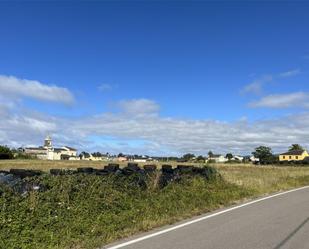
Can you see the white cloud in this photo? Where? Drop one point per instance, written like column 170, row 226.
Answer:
column 290, row 73
column 256, row 86
column 139, row 107
column 106, row 87
column 198, row 136
column 157, row 134
column 15, row 87
column 298, row 99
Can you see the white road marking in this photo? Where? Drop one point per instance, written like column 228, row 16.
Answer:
column 200, row 219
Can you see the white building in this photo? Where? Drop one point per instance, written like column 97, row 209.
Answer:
column 142, row 159
column 254, row 159
column 218, row 158
column 48, row 152
column 139, row 160
column 238, row 158
column 90, row 157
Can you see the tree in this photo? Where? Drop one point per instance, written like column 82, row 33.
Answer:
column 84, row 154
column 264, row 154
column 295, row 147
column 210, row 154
column 5, row 152
column 173, row 158
column 200, row 159
column 97, row 154
column 188, row 156
column 229, row 156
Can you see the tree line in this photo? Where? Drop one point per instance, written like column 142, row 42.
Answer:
column 263, row 153
column 266, row 156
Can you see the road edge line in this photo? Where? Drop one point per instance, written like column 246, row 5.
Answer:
column 205, row 217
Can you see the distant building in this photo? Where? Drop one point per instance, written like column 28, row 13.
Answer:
column 97, row 156
column 254, row 159
column 142, row 159
column 238, row 158
column 293, row 155
column 122, row 159
column 218, row 158
column 139, row 160
column 48, row 152
column 93, row 158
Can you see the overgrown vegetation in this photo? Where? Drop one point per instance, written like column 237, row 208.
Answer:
column 5, row 152
column 88, row 211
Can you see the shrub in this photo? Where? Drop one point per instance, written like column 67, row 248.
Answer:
column 5, row 153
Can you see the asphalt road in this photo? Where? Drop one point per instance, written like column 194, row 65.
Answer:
column 281, row 222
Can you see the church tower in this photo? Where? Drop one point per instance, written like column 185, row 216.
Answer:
column 48, row 142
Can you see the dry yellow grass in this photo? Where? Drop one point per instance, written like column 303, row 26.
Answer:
column 264, row 179
column 46, row 165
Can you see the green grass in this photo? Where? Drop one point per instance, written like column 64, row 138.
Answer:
column 88, row 211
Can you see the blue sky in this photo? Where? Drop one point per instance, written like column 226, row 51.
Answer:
column 116, row 76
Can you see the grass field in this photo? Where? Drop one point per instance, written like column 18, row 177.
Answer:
column 264, row 179
column 47, row 165
column 88, row 211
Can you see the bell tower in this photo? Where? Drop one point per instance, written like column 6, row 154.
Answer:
column 48, row 143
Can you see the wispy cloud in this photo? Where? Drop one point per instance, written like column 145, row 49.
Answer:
column 15, row 87
column 298, row 99
column 256, row 86
column 290, row 73
column 139, row 106
column 106, row 87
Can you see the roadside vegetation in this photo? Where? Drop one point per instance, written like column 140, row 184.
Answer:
column 88, row 211
column 5, row 153
column 264, row 179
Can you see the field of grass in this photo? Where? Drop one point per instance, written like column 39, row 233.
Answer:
column 264, row 179
column 88, row 211
column 47, row 165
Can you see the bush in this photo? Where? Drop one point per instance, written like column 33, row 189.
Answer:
column 24, row 156
column 5, row 153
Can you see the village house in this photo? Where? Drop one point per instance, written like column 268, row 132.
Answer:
column 48, row 152
column 293, row 155
column 237, row 158
column 91, row 157
column 142, row 159
column 122, row 159
column 218, row 158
